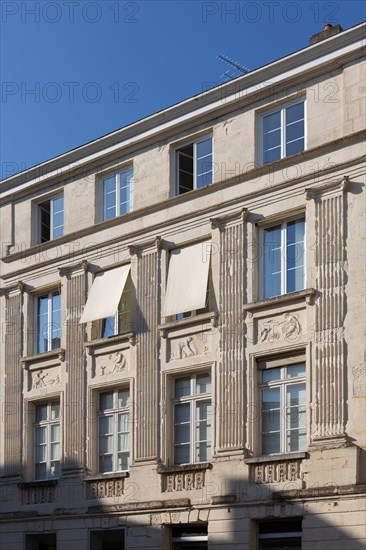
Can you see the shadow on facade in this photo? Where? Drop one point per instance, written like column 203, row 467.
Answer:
column 233, row 514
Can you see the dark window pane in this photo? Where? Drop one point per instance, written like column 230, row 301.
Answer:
column 272, row 155
column 295, row 147
column 295, row 112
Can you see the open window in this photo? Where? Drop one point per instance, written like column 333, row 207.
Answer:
column 50, row 219
column 194, row 165
column 188, row 290
column 109, row 302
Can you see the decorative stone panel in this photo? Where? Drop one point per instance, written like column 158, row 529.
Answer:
column 38, row 493
column 276, row 472
column 105, row 488
column 185, row 480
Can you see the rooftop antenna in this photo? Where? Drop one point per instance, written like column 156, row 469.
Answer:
column 236, row 68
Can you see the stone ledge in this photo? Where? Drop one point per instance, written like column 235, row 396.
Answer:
column 307, row 294
column 176, row 469
column 276, row 458
column 39, row 357
column 211, row 316
column 100, row 342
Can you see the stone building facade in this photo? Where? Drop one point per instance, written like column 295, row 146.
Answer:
column 183, row 316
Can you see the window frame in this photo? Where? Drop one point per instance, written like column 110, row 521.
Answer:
column 50, row 315
column 282, row 109
column 282, row 383
column 114, row 412
column 283, row 223
column 48, row 423
column 192, row 399
column 39, row 204
column 194, row 142
column 277, row 535
column 101, row 191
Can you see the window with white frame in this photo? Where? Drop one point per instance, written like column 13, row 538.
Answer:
column 48, row 335
column 194, row 165
column 50, row 219
column 192, row 414
column 189, row 537
column 121, row 321
column 47, row 441
column 114, row 430
column 280, row 534
column 283, row 132
column 283, row 258
column 283, row 407
column 116, row 191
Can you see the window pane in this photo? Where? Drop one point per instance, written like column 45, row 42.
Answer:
column 271, row 421
column 105, row 463
column 55, row 433
column 204, row 180
column 105, row 444
column 181, row 454
column 56, row 321
column 295, row 370
column 45, row 221
column 272, row 140
column 182, row 433
column 204, row 148
column 272, row 155
column 294, row 113
column 295, row 231
column 55, row 468
column 270, row 398
column 182, row 413
column 203, row 452
column 42, row 324
column 295, row 255
column 108, row 326
column 272, row 122
column 182, row 387
column 55, row 451
column 109, row 197
column 272, row 261
column 41, row 471
column 41, row 413
column 203, row 383
column 40, row 453
column 271, row 443
column 123, row 422
column 296, row 441
column 123, row 459
column 296, row 395
column 126, row 178
column 123, row 442
column 106, row 425
column 106, row 401
column 295, row 147
column 294, row 131
column 269, row 375
column 296, row 417
column 124, row 398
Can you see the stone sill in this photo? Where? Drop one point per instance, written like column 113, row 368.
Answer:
column 172, row 325
column 184, row 468
column 124, row 337
column 38, row 483
column 276, row 458
column 60, row 352
column 305, row 294
column 106, row 477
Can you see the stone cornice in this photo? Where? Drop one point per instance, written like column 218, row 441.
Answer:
column 338, row 186
column 14, row 288
column 82, row 266
column 221, row 222
column 156, row 243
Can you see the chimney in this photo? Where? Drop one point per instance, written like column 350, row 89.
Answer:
column 328, row 31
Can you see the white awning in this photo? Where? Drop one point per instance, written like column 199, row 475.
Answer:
column 187, row 279
column 105, row 294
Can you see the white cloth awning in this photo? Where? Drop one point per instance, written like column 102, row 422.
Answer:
column 187, row 279
column 105, row 294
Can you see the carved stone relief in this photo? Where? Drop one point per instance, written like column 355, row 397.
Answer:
column 286, row 327
column 45, row 377
column 112, row 363
column 189, row 346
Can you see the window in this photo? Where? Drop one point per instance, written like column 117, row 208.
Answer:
column 283, row 408
column 117, row 193
column 283, row 258
column 189, row 537
column 48, row 322
column 51, row 219
column 280, row 534
column 194, row 165
column 47, row 441
column 192, row 418
column 40, row 542
column 111, row 539
column 114, row 431
column 283, row 132
column 121, row 321
column 188, row 290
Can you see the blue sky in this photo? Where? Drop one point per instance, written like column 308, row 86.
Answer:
column 74, row 70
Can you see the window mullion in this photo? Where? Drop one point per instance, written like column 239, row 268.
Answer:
column 283, row 259
column 118, row 183
column 192, row 429
column 49, row 321
column 283, row 132
column 284, row 417
column 51, row 217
